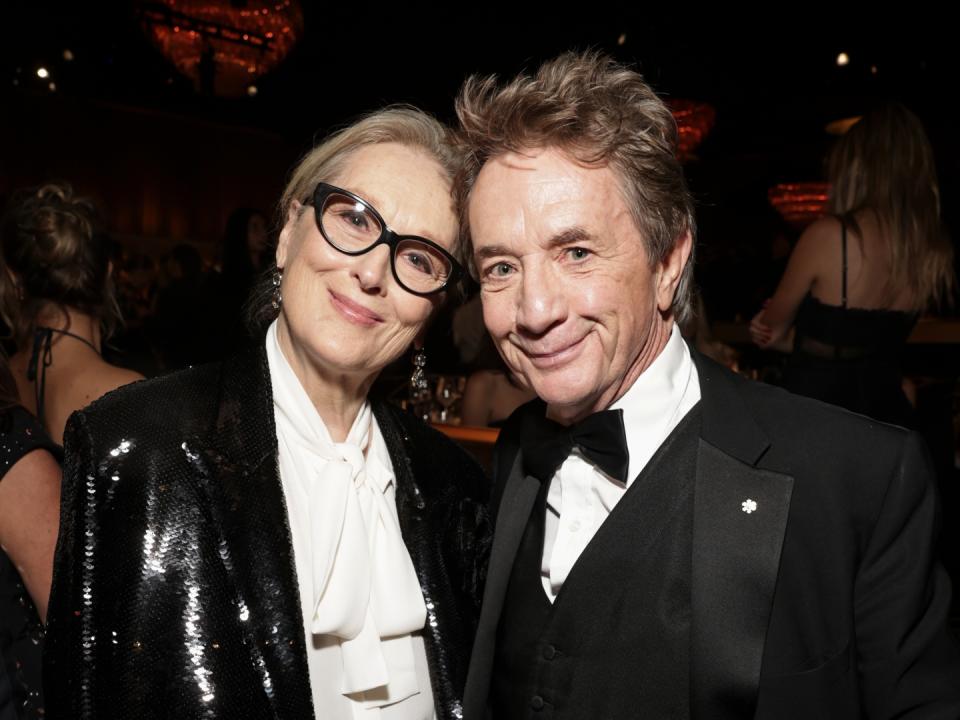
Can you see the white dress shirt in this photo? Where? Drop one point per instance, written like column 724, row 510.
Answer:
column 581, row 496
column 363, row 608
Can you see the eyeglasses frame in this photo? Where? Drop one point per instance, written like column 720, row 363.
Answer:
column 387, row 237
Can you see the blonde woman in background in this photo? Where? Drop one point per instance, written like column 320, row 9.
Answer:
column 859, row 278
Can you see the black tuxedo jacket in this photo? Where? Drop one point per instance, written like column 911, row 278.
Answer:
column 174, row 590
column 823, row 601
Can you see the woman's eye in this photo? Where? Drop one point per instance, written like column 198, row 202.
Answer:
column 357, row 220
column 419, row 261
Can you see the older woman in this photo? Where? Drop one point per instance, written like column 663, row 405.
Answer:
column 258, row 538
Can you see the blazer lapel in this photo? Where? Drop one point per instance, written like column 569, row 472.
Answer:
column 519, row 497
column 740, row 516
column 237, row 468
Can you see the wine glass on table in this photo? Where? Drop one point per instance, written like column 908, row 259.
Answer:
column 448, row 395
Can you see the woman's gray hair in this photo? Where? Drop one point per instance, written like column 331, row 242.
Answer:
column 401, row 124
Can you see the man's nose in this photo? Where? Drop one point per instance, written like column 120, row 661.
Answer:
column 542, row 301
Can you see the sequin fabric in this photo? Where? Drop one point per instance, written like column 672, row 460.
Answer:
column 175, row 594
column 21, row 632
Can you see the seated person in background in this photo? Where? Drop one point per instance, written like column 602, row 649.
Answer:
column 182, row 331
column 29, row 510
column 492, row 395
column 244, row 257
column 57, row 297
column 696, row 331
column 858, row 279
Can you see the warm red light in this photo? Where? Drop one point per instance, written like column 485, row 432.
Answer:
column 694, row 120
column 241, row 42
column 800, row 203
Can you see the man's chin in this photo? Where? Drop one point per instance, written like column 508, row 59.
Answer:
column 564, row 402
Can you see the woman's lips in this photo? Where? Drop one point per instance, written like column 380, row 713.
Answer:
column 354, row 312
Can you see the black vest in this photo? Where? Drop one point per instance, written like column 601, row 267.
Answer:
column 615, row 642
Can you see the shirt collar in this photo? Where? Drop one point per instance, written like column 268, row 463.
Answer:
column 657, row 401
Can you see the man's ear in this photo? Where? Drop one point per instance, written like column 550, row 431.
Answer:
column 671, row 270
column 283, row 242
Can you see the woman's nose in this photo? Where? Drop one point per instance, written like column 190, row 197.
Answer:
column 372, row 269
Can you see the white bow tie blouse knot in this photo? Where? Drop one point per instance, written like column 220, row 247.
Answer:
column 363, row 587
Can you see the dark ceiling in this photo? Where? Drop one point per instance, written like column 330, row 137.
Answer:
column 771, row 73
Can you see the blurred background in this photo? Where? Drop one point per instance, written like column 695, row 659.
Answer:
column 181, row 118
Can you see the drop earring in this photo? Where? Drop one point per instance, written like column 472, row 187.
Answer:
column 277, row 300
column 418, row 380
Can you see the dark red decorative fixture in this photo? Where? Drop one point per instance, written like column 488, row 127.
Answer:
column 223, row 45
column 694, row 121
column 800, row 203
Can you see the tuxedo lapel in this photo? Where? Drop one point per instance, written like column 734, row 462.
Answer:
column 740, row 516
column 236, row 465
column 516, row 504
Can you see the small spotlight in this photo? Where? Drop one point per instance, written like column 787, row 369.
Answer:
column 873, row 69
column 52, row 86
column 622, row 40
column 843, row 59
column 68, row 54
column 252, row 90
column 42, row 73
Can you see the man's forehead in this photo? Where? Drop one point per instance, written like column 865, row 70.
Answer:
column 542, row 174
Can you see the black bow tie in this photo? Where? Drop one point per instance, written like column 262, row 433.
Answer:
column 600, row 437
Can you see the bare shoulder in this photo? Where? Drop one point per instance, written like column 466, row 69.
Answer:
column 104, row 377
column 119, row 377
column 819, row 235
column 481, row 379
column 37, row 468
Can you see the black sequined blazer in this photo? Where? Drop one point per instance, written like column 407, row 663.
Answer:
column 174, row 592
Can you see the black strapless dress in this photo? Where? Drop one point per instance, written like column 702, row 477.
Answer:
column 21, row 632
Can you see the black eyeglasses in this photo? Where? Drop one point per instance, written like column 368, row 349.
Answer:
column 351, row 225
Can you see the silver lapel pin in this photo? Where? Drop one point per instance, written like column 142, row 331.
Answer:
column 748, row 506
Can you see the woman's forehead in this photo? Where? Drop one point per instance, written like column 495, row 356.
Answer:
column 407, row 187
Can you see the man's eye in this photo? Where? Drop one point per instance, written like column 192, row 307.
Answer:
column 498, row 270
column 578, row 253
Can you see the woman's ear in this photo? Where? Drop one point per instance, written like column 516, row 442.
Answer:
column 286, row 234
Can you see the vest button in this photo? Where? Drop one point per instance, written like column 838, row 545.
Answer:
column 537, row 702
column 549, row 652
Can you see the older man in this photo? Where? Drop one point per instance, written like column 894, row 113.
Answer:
column 671, row 540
